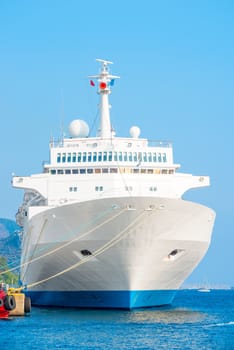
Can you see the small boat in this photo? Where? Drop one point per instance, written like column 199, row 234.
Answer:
column 204, row 290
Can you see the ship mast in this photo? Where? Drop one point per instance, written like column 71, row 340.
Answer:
column 105, row 81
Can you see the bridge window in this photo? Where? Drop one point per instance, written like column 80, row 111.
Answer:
column 110, row 156
column 69, row 157
column 89, row 157
column 94, row 156
column 99, row 156
column 104, row 156
column 159, row 157
column 115, row 156
column 154, row 157
column 79, row 157
column 150, row 157
column 144, row 157
column 84, row 157
column 120, row 156
column 64, row 158
column 135, row 156
column 73, row 157
column 58, row 157
column 130, row 156
column 125, row 156
column 164, row 157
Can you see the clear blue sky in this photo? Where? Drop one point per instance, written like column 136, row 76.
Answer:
column 176, row 62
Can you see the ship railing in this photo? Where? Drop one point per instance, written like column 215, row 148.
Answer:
column 163, row 144
column 117, row 141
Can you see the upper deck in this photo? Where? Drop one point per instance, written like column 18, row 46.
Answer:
column 119, row 152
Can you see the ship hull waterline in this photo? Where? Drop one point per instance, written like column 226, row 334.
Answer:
column 114, row 252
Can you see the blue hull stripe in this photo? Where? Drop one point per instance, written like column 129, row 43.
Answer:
column 102, row 299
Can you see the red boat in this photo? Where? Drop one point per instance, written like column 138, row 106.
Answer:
column 7, row 304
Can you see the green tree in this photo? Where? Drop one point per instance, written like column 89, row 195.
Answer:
column 7, row 277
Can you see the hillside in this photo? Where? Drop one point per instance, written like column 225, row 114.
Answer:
column 10, row 241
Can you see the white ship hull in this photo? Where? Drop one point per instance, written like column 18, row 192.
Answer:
column 136, row 251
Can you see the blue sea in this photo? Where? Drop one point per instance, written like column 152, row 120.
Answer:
column 195, row 320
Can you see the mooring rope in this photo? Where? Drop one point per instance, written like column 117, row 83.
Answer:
column 99, row 251
column 64, row 245
column 82, row 226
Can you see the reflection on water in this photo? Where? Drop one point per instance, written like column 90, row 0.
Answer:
column 146, row 316
column 166, row 316
column 164, row 328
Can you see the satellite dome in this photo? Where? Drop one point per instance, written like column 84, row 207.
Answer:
column 78, row 128
column 135, row 132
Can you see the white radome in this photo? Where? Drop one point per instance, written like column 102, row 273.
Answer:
column 78, row 128
column 135, row 131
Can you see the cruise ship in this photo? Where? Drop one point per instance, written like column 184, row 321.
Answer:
column 105, row 224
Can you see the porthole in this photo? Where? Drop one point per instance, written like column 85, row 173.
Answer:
column 174, row 254
column 85, row 252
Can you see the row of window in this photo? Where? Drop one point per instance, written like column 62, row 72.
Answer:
column 111, row 156
column 100, row 188
column 110, row 170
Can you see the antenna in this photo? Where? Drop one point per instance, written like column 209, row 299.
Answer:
column 62, row 115
column 105, row 63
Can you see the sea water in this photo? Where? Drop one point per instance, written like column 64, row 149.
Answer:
column 195, row 320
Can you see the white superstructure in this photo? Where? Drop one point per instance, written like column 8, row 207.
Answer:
column 104, row 224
